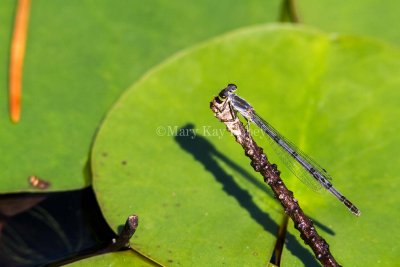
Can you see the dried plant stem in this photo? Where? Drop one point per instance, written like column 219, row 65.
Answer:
column 119, row 243
column 271, row 176
column 127, row 232
column 290, row 11
column 17, row 58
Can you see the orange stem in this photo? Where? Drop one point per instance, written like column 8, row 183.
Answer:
column 17, row 58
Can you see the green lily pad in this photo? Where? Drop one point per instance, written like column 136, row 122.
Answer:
column 162, row 155
column 80, row 56
column 370, row 17
column 122, row 258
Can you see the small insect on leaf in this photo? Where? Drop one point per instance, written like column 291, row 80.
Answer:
column 36, row 182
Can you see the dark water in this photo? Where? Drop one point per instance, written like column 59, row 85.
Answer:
column 47, row 229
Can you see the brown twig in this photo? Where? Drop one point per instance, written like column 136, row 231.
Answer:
column 271, row 176
column 289, row 11
column 121, row 242
column 17, row 58
column 280, row 242
column 127, row 232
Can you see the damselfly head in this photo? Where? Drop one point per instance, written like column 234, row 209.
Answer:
column 231, row 87
column 227, row 90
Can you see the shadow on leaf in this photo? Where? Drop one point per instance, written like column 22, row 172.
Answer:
column 204, row 152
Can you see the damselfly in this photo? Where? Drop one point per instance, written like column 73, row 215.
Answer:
column 307, row 166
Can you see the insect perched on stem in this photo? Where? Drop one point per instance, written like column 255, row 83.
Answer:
column 297, row 161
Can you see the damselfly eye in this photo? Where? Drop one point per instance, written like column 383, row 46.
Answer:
column 232, row 87
column 227, row 90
